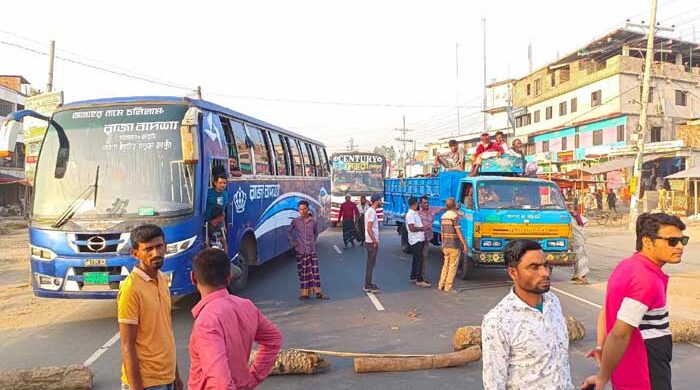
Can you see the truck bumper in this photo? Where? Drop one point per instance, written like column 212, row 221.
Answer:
column 495, row 259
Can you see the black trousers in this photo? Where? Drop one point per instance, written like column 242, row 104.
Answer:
column 417, row 265
column 371, row 262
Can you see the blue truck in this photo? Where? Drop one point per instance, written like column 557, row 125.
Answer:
column 495, row 208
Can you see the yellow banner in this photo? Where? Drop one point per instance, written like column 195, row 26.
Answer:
column 521, row 230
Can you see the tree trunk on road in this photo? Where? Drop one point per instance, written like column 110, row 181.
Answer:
column 72, row 377
column 393, row 364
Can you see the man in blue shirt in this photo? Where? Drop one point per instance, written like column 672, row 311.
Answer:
column 217, row 195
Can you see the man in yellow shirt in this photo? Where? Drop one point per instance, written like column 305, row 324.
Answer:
column 145, row 324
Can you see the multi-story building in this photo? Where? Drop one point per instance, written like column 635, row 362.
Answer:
column 13, row 93
column 584, row 108
column 499, row 98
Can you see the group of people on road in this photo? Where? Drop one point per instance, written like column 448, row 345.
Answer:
column 525, row 340
column 223, row 332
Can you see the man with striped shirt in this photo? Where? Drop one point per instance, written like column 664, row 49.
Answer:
column 635, row 346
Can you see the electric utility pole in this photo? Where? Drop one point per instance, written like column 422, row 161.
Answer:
column 483, row 20
column 403, row 141
column 641, row 128
column 52, row 52
column 351, row 144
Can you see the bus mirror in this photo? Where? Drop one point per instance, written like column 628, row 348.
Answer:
column 63, row 144
column 188, row 137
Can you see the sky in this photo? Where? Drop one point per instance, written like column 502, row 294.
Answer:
column 329, row 70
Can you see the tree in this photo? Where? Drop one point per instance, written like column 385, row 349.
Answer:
column 387, row 151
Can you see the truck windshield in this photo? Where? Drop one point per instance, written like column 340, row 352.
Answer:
column 137, row 151
column 519, row 195
column 357, row 174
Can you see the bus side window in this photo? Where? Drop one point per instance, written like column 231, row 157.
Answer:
column 296, row 158
column 262, row 157
column 317, row 160
column 245, row 162
column 311, row 168
column 231, row 147
column 326, row 165
column 216, row 167
column 280, row 154
column 468, row 196
column 305, row 158
column 321, row 166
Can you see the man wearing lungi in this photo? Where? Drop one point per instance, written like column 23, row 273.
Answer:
column 302, row 233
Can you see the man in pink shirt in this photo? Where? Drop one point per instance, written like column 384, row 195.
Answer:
column 635, row 345
column 224, row 329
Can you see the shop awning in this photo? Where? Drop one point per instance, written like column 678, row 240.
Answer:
column 620, row 163
column 690, row 173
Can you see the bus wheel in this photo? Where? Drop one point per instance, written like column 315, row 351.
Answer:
column 405, row 247
column 465, row 270
column 334, row 223
column 244, row 255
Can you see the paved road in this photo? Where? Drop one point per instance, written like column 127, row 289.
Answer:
column 415, row 320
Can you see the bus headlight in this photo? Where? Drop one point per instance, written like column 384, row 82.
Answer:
column 179, row 246
column 40, row 253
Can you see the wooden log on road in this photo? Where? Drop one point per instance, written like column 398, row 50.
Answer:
column 295, row 362
column 685, row 331
column 72, row 377
column 394, row 364
column 467, row 336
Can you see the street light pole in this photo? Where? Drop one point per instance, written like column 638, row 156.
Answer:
column 641, row 128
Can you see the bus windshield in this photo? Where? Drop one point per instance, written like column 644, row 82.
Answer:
column 132, row 153
column 357, row 174
column 519, row 195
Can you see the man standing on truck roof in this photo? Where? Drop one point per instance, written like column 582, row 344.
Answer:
column 452, row 160
column 416, row 240
column 524, row 338
column 485, row 146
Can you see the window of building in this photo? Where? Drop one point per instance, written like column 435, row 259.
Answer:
column 519, row 121
column 537, row 116
column 562, row 108
column 245, row 160
column 577, row 141
column 564, row 143
column 528, row 119
column 574, row 105
column 596, row 98
column 681, row 98
column 597, row 137
column 528, row 89
column 6, row 107
column 538, row 87
column 620, row 133
column 530, row 149
column 545, row 146
column 261, row 151
column 650, row 97
column 548, row 113
column 296, row 157
column 553, row 77
column 655, row 134
column 281, row 156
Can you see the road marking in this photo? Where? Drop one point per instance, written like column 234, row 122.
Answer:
column 374, row 300
column 577, row 298
column 337, row 249
column 101, row 350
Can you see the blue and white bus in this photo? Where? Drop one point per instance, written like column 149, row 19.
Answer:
column 109, row 165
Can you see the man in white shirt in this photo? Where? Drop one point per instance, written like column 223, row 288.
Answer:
column 372, row 241
column 416, row 240
column 524, row 338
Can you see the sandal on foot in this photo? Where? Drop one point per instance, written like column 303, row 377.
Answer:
column 322, row 296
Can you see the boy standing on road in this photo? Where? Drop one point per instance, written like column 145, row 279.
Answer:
column 452, row 242
column 143, row 312
column 302, row 233
column 348, row 214
column 372, row 241
column 524, row 338
column 416, row 240
column 225, row 327
column 636, row 348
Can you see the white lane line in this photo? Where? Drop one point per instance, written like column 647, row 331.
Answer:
column 337, row 249
column 577, row 298
column 101, row 350
column 375, row 301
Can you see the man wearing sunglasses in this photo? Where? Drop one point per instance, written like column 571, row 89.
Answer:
column 634, row 341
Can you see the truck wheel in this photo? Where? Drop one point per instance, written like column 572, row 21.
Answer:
column 243, row 256
column 466, row 267
column 405, row 247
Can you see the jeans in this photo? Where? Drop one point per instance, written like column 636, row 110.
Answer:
column 371, row 261
column 417, row 265
column 170, row 386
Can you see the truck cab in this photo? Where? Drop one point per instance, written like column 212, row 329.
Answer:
column 494, row 209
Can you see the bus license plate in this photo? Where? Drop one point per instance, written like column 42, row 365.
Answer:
column 96, row 277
